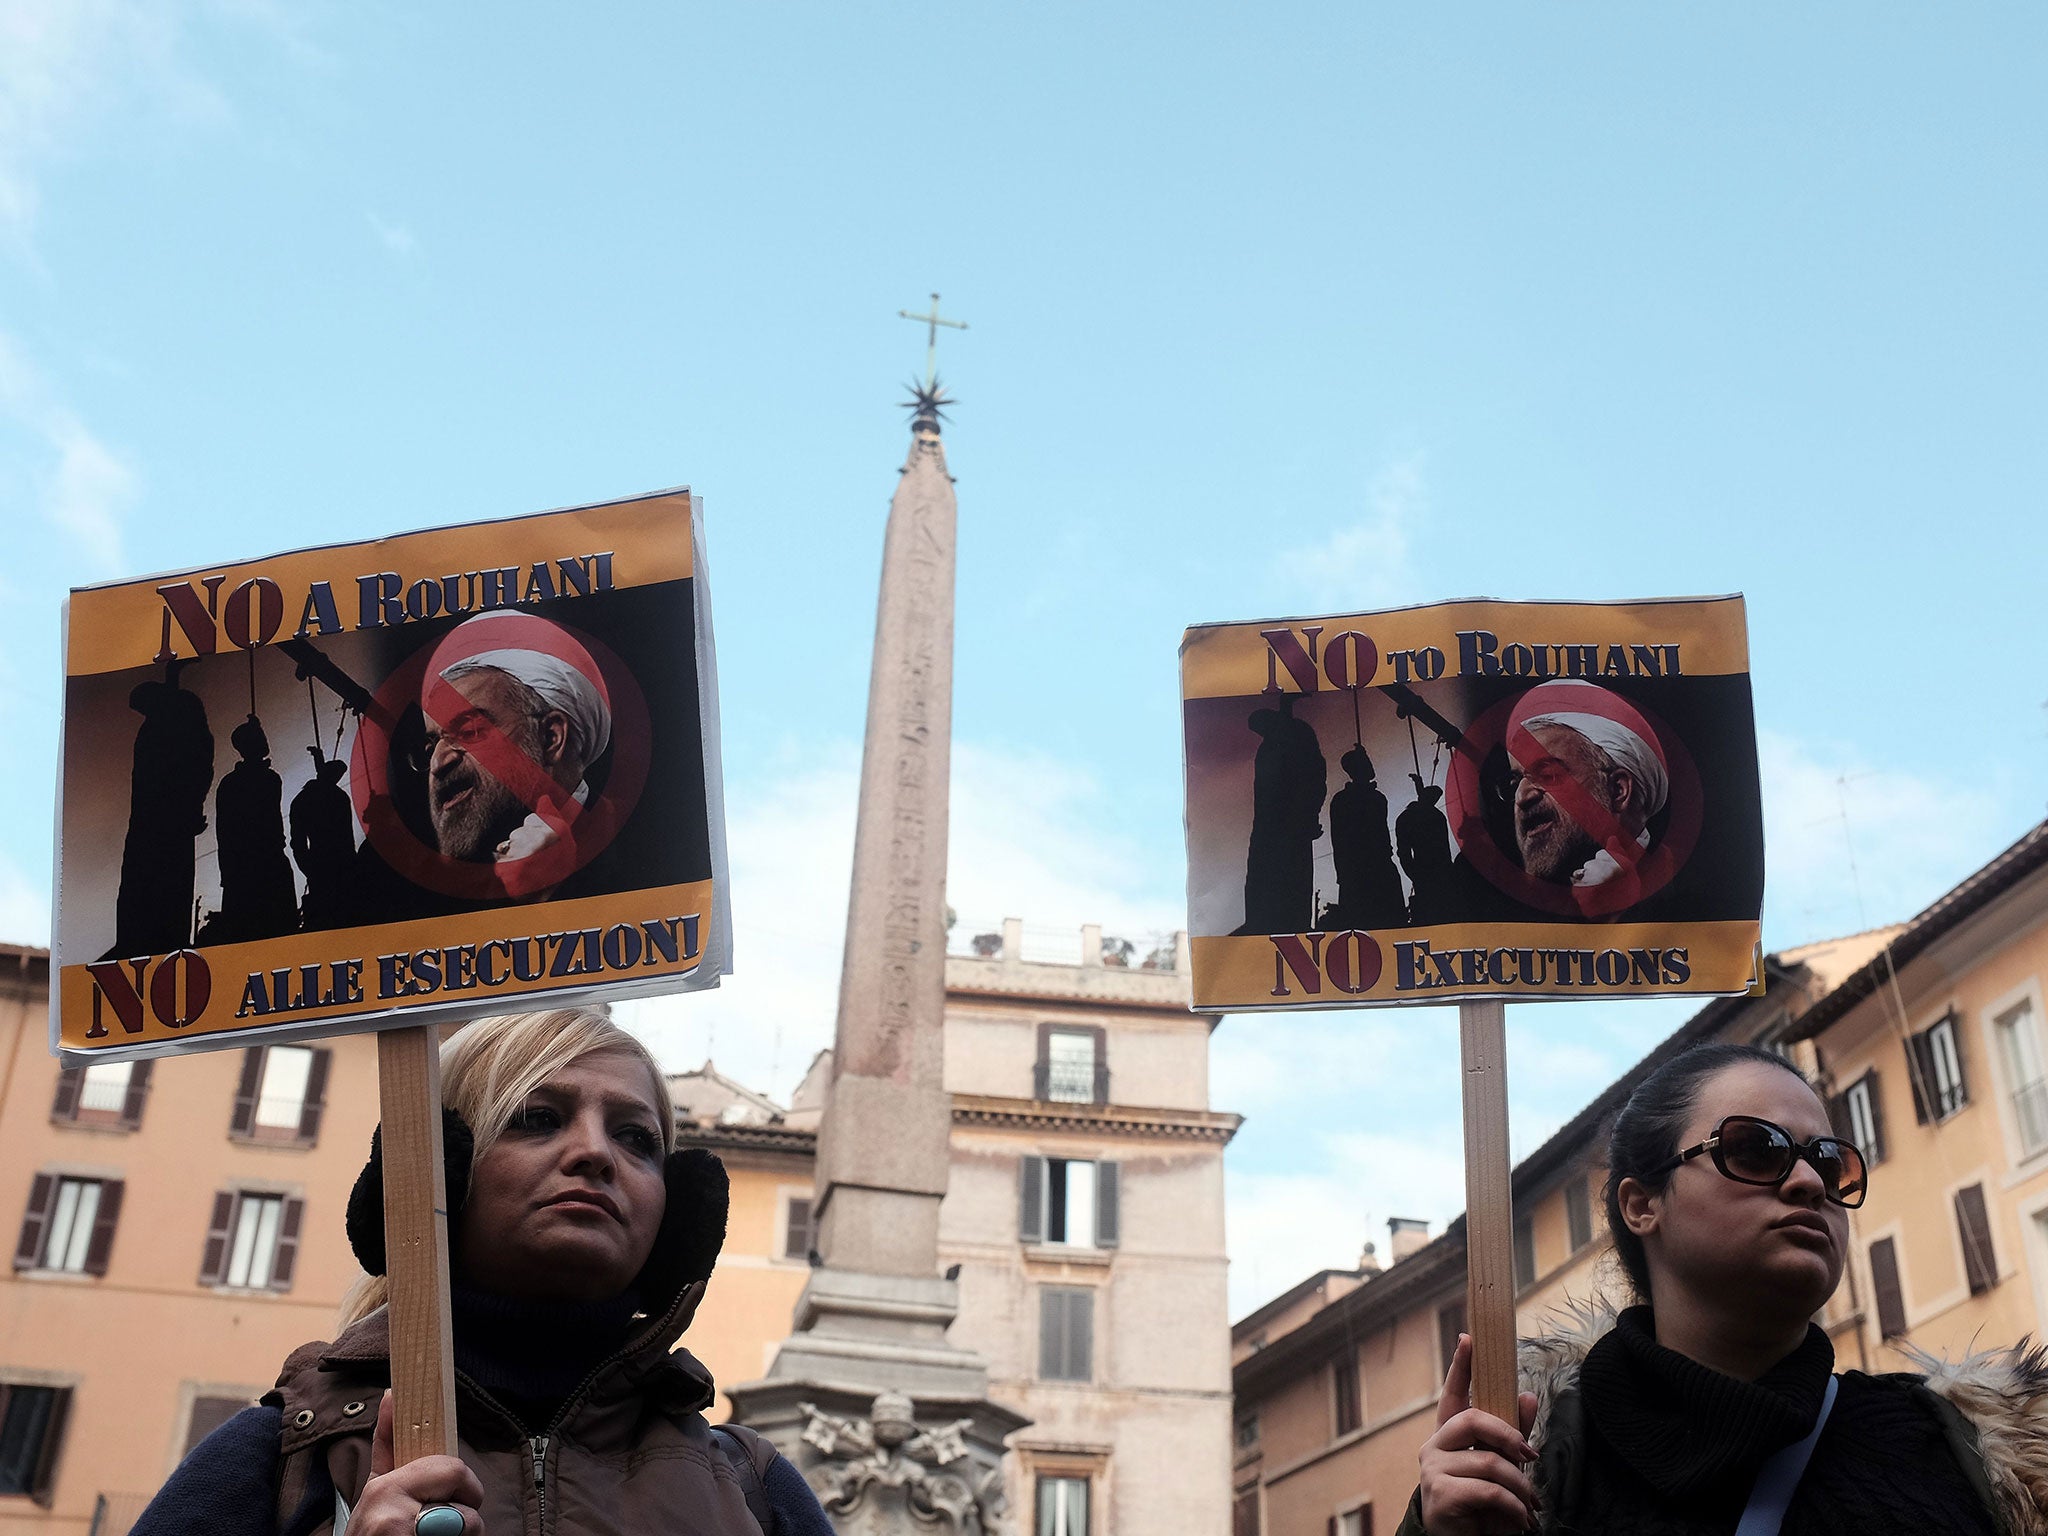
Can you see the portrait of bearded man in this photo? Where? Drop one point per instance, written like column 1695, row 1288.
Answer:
column 511, row 732
column 1587, row 775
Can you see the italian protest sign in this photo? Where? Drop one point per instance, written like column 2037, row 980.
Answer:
column 1472, row 800
column 399, row 782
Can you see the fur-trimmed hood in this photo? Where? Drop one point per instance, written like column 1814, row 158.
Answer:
column 2001, row 1393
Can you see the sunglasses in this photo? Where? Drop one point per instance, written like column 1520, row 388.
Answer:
column 1753, row 1151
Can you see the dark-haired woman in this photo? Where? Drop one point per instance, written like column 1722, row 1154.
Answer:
column 1715, row 1397
column 578, row 1255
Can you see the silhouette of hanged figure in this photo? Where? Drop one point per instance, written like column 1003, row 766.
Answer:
column 173, row 769
column 1289, row 780
column 1369, row 892
column 324, row 844
column 257, row 897
column 1424, row 840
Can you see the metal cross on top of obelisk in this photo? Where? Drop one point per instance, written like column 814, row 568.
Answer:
column 932, row 322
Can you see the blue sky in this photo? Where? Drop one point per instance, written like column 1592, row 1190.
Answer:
column 1273, row 310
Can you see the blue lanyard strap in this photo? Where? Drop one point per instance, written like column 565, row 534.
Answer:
column 1778, row 1478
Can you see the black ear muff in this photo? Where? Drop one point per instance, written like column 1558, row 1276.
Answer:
column 366, row 1200
column 692, row 1227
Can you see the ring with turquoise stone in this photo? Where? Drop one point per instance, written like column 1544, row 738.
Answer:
column 438, row 1520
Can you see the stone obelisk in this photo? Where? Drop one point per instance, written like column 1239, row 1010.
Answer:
column 889, row 1421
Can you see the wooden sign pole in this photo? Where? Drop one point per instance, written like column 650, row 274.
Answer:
column 416, row 1245
column 1489, row 1210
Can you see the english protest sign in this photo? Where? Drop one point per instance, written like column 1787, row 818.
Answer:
column 421, row 778
column 1470, row 800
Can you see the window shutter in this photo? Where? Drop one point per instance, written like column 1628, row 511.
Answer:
column 288, row 1223
column 138, row 1095
column 243, row 1121
column 1052, row 1335
column 1876, row 1117
column 1331, row 1529
column 1081, row 1335
column 208, row 1414
column 43, row 1480
column 1920, row 1067
column 1884, row 1280
column 1107, row 1216
column 1031, row 1198
column 70, row 1084
column 316, row 1095
column 796, row 1235
column 213, row 1262
column 1980, row 1264
column 1838, row 1116
column 41, row 1191
column 102, row 1241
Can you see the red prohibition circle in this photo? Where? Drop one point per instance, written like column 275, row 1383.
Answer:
column 582, row 831
column 1657, row 866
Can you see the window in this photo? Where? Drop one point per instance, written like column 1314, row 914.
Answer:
column 2026, row 1076
column 31, row 1433
column 1891, row 1296
column 1244, row 1513
column 1936, row 1068
column 1063, row 1506
column 208, row 1414
column 1344, row 1389
column 1070, row 1068
column 1068, row 1200
column 1450, row 1322
column 1247, row 1431
column 252, row 1240
column 69, row 1225
column 281, row 1094
column 107, row 1093
column 799, row 1237
column 1856, row 1115
column 1353, row 1522
column 1525, row 1252
column 1973, row 1226
column 1578, row 1212
column 1066, row 1334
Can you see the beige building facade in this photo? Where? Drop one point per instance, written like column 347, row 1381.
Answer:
column 177, row 1232
column 1084, row 1212
column 1928, row 1041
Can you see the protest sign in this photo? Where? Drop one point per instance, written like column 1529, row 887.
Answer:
column 423, row 778
column 473, row 769
column 1473, row 802
column 1475, row 799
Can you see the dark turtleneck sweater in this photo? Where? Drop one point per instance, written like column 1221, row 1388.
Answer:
column 530, row 1355
column 1672, row 1446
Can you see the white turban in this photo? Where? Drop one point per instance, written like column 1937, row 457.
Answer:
column 1627, row 749
column 560, row 686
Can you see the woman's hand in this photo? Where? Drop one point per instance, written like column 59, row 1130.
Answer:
column 1473, row 1482
column 394, row 1496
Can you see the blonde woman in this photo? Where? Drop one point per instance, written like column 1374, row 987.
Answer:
column 579, row 1243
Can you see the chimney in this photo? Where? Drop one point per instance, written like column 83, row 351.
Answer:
column 1406, row 1235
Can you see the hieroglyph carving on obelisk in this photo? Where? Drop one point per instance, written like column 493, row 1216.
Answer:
column 883, row 1146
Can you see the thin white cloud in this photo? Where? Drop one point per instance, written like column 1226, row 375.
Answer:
column 1031, row 837
column 79, row 484
column 1366, row 563
column 66, row 65
column 1851, row 846
column 395, row 238
column 24, row 906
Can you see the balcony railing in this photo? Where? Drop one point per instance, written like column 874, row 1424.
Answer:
column 1070, row 1082
column 2030, row 1113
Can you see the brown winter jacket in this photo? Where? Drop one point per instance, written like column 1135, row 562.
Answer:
column 628, row 1452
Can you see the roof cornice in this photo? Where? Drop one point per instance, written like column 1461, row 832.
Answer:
column 1098, row 1119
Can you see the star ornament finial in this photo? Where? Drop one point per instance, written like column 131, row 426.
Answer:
column 927, row 402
